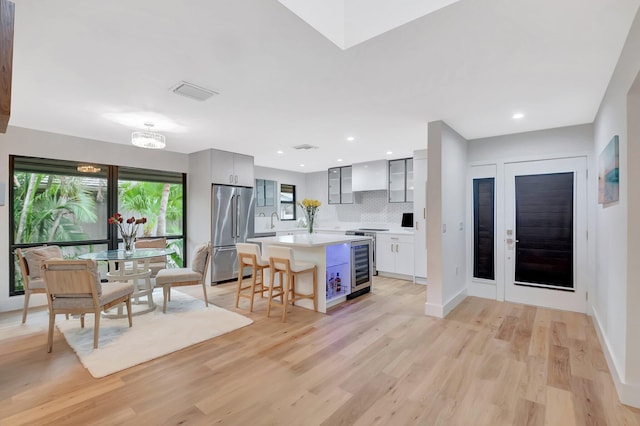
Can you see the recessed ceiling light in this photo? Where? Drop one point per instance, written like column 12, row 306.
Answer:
column 518, row 116
column 301, row 165
column 339, row 160
column 351, row 139
column 389, row 152
column 279, row 151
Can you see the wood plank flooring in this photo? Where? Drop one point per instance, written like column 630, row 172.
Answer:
column 376, row 360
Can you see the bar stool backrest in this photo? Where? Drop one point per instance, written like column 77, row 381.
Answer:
column 279, row 252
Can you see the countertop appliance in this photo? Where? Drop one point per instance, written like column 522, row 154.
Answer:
column 361, row 267
column 232, row 212
column 407, row 220
column 368, row 232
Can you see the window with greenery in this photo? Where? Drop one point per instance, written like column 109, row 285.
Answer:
column 287, row 202
column 67, row 203
column 158, row 196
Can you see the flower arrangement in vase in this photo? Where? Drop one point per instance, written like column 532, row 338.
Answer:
column 310, row 208
column 128, row 229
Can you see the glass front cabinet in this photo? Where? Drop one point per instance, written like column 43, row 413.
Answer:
column 401, row 180
column 340, row 185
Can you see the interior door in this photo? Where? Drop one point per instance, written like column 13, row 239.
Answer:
column 546, row 233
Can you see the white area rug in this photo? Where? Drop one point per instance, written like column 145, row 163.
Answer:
column 186, row 322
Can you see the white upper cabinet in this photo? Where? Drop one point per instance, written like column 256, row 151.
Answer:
column 369, row 176
column 229, row 168
column 401, row 180
column 339, row 182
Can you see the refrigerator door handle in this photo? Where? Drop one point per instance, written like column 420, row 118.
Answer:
column 238, row 216
column 234, row 216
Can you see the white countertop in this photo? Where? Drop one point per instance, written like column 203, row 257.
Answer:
column 306, row 240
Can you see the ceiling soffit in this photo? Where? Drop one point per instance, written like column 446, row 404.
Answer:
column 350, row 22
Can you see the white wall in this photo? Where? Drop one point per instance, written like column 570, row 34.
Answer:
column 615, row 300
column 286, row 177
column 446, row 222
column 33, row 143
column 549, row 143
column 454, row 167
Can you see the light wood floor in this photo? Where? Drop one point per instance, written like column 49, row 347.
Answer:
column 376, row 360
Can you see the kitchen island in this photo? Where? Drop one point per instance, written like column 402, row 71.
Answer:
column 332, row 254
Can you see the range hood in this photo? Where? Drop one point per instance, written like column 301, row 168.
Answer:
column 369, row 176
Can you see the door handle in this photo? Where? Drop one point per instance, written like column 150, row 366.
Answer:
column 230, row 178
column 236, row 179
column 511, row 241
column 234, row 215
column 237, row 216
column 416, row 225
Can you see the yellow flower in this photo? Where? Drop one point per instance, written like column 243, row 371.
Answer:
column 307, row 203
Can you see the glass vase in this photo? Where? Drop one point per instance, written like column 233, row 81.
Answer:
column 311, row 217
column 129, row 244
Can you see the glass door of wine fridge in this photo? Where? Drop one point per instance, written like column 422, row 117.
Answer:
column 361, row 265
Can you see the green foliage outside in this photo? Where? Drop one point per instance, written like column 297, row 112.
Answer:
column 50, row 208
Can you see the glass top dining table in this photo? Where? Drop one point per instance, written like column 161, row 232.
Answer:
column 138, row 254
column 137, row 273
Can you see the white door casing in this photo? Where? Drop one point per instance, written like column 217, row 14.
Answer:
column 552, row 298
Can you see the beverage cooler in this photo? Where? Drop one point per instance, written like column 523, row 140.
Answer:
column 349, row 269
column 361, row 267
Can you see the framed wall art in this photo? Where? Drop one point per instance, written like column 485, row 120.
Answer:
column 608, row 173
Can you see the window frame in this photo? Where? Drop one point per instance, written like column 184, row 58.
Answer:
column 293, row 202
column 112, row 177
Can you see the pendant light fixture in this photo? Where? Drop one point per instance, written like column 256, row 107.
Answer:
column 88, row 168
column 148, row 139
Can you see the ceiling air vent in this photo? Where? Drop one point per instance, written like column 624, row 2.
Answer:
column 305, row 146
column 192, row 91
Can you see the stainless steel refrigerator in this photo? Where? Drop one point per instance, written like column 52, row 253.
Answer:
column 232, row 215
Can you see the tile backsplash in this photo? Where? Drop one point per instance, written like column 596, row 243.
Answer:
column 368, row 207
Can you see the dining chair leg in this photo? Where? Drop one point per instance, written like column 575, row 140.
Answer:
column 96, row 329
column 52, row 320
column 165, row 293
column 27, row 293
column 81, row 320
column 204, row 290
column 128, row 302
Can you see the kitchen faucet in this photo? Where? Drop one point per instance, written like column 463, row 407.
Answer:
column 276, row 214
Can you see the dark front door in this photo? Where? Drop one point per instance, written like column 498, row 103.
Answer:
column 545, row 233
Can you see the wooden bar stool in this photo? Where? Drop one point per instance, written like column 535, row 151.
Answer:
column 281, row 261
column 249, row 256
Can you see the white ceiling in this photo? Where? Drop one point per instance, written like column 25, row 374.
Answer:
column 100, row 69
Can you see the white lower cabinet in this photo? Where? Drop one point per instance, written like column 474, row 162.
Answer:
column 394, row 254
column 292, row 232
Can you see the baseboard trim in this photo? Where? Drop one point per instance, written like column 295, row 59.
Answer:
column 455, row 301
column 396, row 276
column 420, row 280
column 441, row 311
column 432, row 310
column 628, row 394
